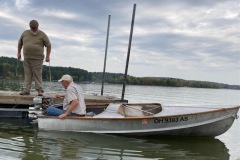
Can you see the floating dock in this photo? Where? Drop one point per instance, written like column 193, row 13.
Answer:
column 14, row 105
column 9, row 97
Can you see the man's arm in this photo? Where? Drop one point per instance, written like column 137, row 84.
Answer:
column 19, row 51
column 48, row 50
column 73, row 104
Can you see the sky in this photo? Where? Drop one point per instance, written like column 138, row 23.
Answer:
column 186, row 39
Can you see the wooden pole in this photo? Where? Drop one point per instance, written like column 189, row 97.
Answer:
column 105, row 59
column 128, row 54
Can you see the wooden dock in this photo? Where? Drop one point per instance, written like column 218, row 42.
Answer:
column 13, row 98
column 14, row 105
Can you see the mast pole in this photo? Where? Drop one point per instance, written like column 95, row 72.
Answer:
column 128, row 54
column 105, row 59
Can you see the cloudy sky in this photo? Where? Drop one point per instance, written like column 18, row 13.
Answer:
column 187, row 39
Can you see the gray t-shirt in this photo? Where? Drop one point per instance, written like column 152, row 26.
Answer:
column 33, row 45
column 74, row 91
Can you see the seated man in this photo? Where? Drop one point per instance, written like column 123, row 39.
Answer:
column 73, row 103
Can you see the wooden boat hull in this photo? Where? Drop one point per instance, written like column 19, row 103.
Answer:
column 209, row 123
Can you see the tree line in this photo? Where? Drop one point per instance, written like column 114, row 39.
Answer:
column 11, row 68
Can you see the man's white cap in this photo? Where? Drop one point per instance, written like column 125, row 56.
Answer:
column 65, row 77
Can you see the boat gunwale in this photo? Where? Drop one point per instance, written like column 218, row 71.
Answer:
column 141, row 117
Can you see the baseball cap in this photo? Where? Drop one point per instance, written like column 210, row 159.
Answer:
column 65, row 77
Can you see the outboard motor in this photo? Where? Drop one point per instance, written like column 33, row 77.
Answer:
column 42, row 103
column 37, row 101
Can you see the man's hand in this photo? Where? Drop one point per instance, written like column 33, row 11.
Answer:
column 70, row 108
column 47, row 59
column 19, row 55
column 60, row 96
column 62, row 115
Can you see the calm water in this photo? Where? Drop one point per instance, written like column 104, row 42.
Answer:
column 21, row 140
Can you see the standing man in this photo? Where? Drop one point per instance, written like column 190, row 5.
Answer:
column 73, row 103
column 33, row 42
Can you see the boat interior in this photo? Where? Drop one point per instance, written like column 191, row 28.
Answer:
column 123, row 110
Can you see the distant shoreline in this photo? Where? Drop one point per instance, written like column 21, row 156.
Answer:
column 9, row 70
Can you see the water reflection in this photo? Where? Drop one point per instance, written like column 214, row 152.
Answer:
column 193, row 148
column 100, row 146
column 17, row 139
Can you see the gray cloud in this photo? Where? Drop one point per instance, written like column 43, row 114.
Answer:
column 187, row 39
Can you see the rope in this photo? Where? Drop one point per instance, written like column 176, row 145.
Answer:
column 50, row 74
column 17, row 68
column 127, row 106
column 50, row 80
column 14, row 106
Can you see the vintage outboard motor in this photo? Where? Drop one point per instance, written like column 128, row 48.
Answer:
column 41, row 102
column 37, row 101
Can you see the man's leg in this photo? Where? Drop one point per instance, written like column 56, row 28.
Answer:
column 37, row 71
column 27, row 75
column 53, row 111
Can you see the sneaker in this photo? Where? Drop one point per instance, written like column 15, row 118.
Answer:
column 24, row 93
column 40, row 93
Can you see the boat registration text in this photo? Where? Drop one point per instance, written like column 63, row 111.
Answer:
column 170, row 120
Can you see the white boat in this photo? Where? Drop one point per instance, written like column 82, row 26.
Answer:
column 147, row 119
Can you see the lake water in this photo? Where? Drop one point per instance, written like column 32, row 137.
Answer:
column 21, row 140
